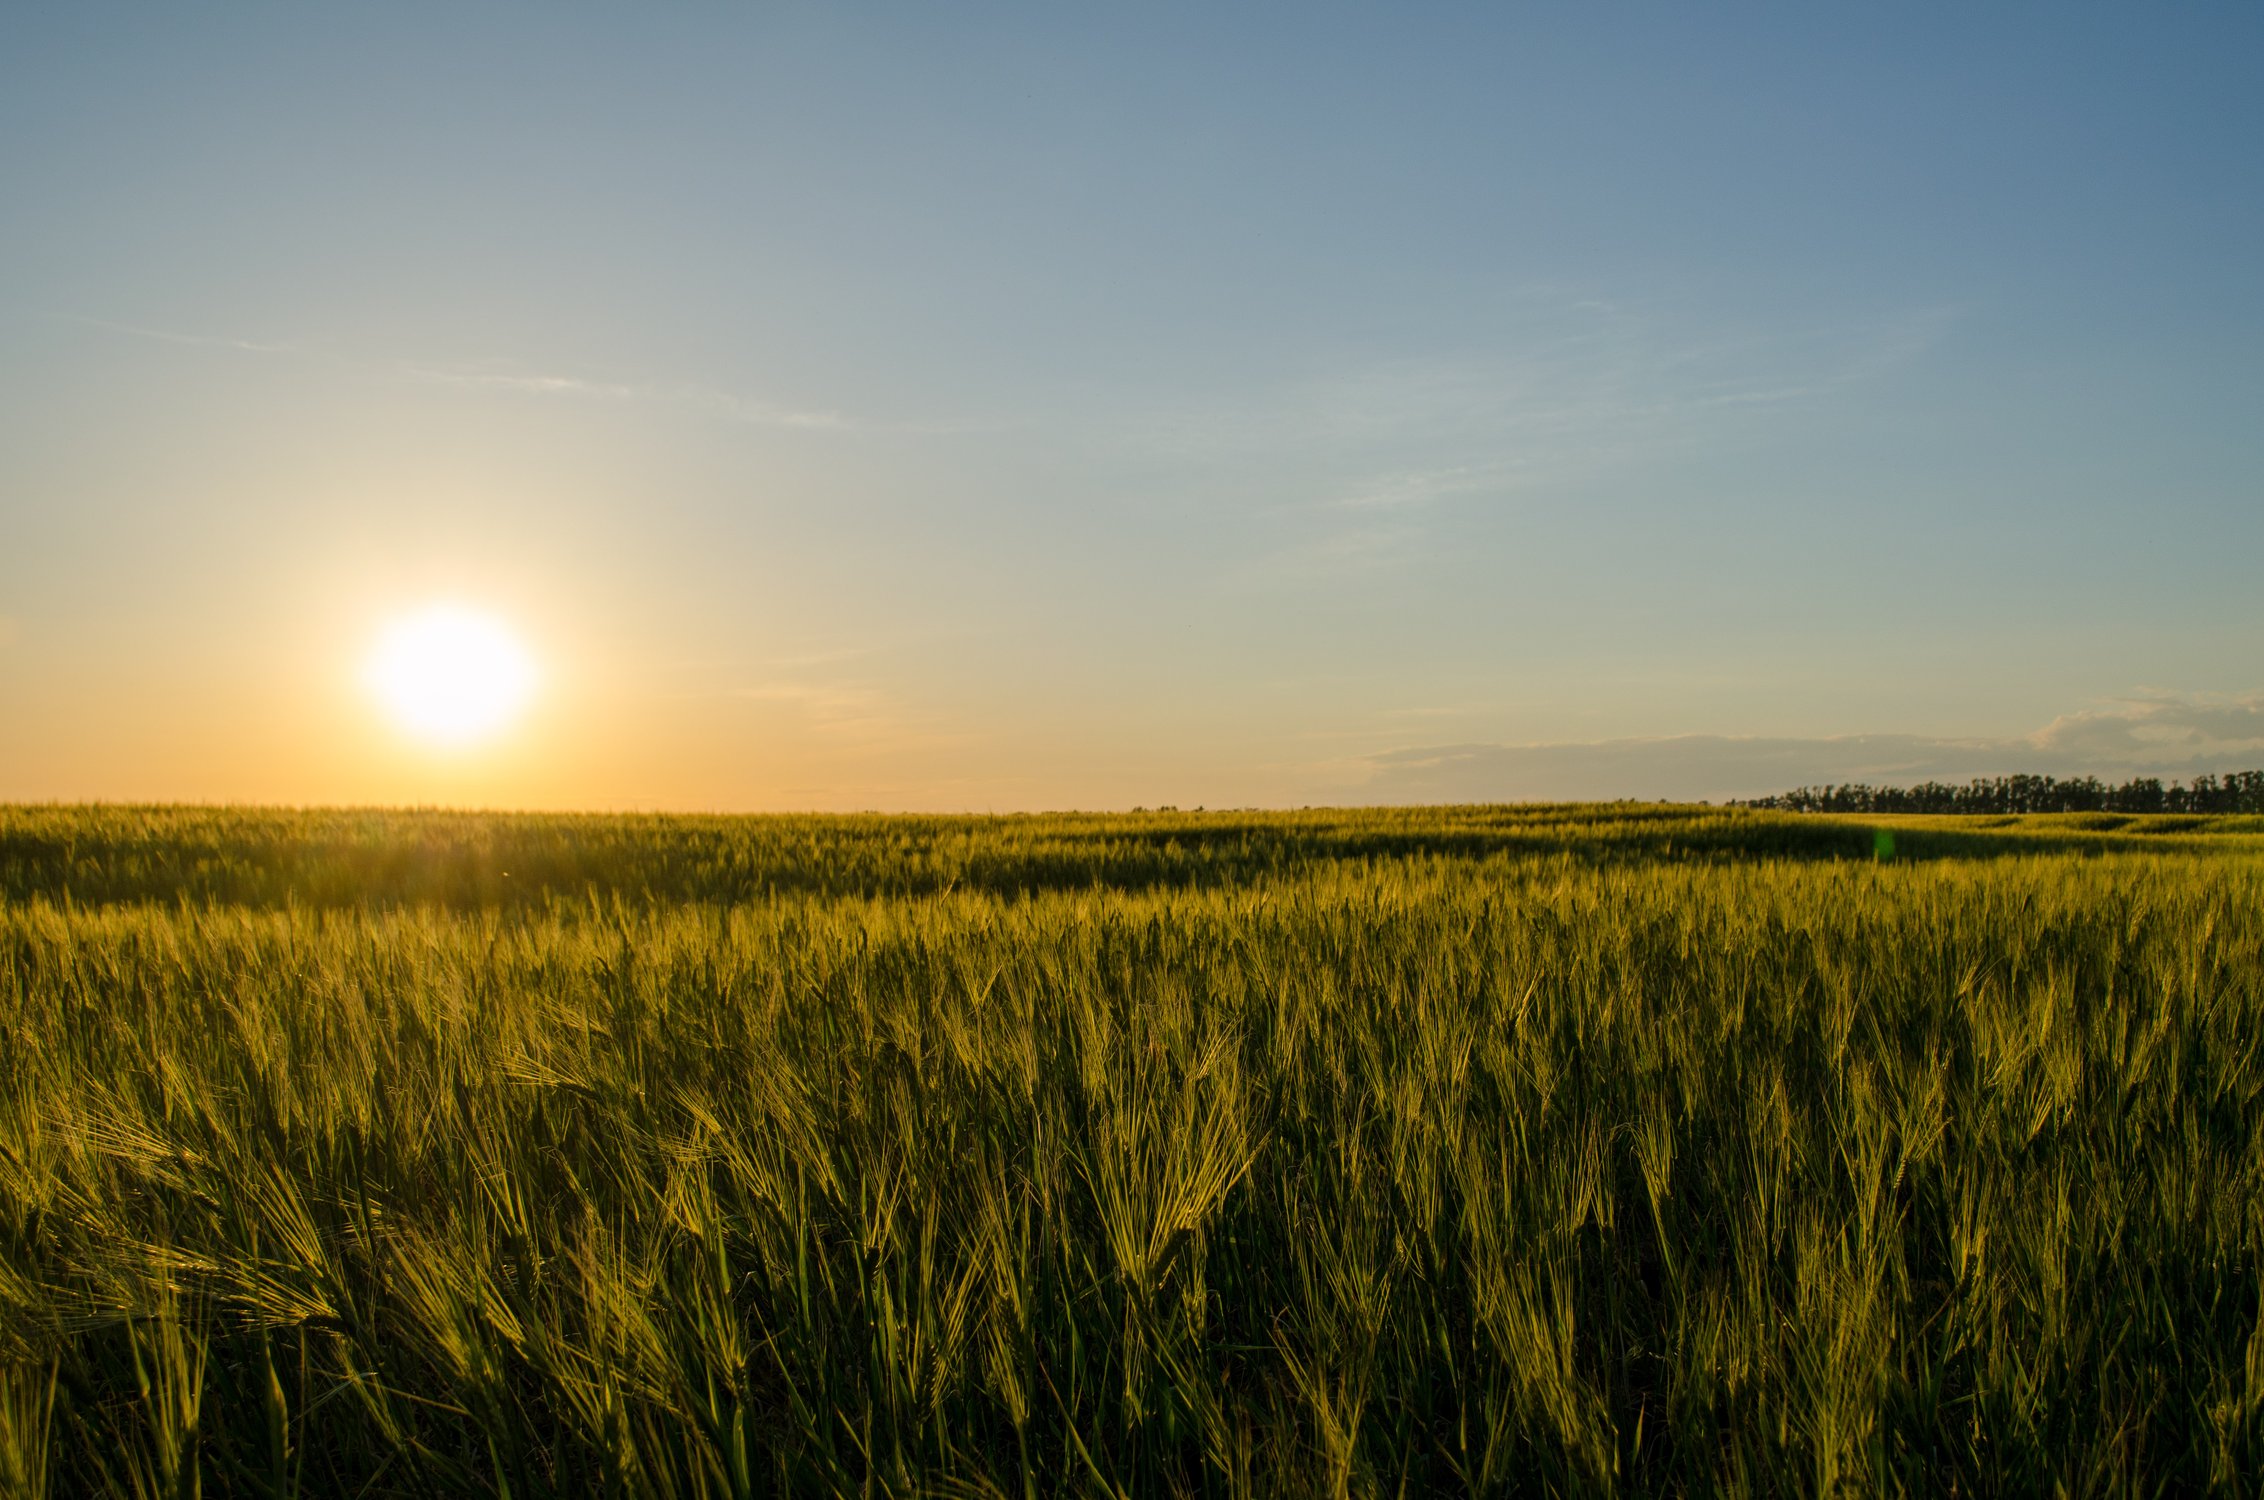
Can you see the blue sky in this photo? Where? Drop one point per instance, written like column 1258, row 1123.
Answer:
column 991, row 407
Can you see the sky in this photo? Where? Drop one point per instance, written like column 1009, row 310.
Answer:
column 990, row 408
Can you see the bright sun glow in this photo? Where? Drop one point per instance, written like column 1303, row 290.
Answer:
column 450, row 675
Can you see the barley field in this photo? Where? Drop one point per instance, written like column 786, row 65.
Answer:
column 1469, row 1151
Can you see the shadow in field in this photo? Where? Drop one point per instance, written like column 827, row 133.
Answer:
column 344, row 859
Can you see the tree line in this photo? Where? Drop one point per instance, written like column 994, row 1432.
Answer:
column 2234, row 792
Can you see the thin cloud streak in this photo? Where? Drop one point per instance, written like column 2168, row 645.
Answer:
column 1331, row 558
column 851, row 718
column 1420, row 487
column 1620, row 377
column 831, row 706
column 1548, row 411
column 723, row 405
column 169, row 336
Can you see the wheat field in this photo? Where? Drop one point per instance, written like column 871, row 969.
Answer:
column 1556, row 1150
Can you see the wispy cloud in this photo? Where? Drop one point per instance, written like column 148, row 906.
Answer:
column 171, row 336
column 1575, row 376
column 721, row 405
column 1420, row 487
column 1333, row 555
column 728, row 406
column 833, row 707
column 825, row 658
column 847, row 717
column 2162, row 735
column 1578, row 390
column 529, row 385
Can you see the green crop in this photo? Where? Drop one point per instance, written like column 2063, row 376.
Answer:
column 1436, row 1151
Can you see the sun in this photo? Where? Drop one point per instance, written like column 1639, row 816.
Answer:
column 449, row 675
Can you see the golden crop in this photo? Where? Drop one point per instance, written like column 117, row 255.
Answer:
column 1478, row 1150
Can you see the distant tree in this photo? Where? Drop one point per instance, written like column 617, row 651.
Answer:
column 2234, row 792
